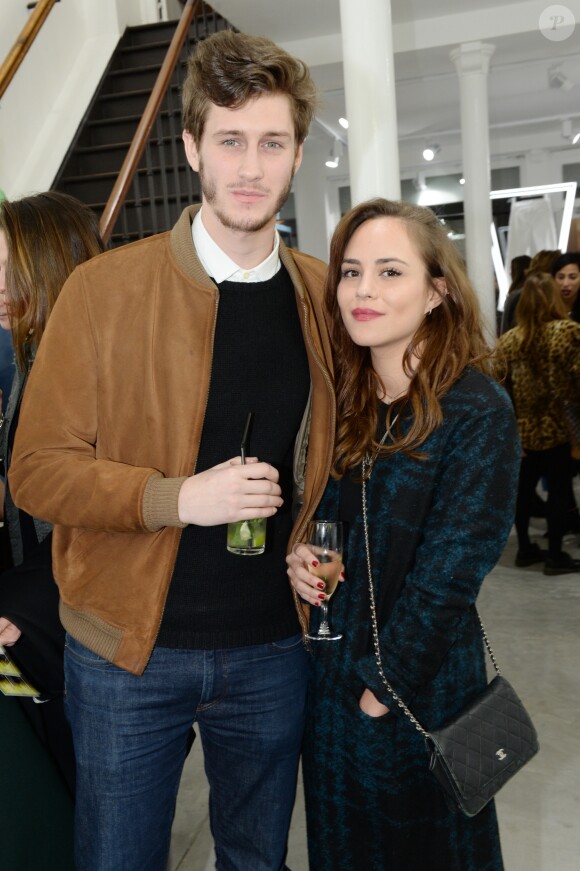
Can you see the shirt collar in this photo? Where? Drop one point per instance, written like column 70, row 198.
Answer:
column 220, row 267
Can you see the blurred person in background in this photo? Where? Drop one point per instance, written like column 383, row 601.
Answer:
column 518, row 268
column 566, row 271
column 42, row 239
column 540, row 262
column 540, row 362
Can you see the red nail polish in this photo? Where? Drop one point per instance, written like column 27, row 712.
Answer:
column 320, row 585
column 314, row 562
column 322, row 595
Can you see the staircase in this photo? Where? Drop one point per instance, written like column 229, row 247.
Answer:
column 164, row 183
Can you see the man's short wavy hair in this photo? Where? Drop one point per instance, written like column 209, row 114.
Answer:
column 228, row 69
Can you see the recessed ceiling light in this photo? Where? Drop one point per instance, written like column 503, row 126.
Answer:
column 343, row 123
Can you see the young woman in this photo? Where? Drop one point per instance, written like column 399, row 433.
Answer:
column 42, row 239
column 436, row 440
column 541, row 358
column 566, row 271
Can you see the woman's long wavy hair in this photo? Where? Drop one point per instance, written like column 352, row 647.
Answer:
column 539, row 303
column 448, row 340
column 47, row 236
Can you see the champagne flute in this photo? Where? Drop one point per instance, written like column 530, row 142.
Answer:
column 325, row 541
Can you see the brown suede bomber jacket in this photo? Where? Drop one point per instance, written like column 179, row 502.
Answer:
column 106, row 434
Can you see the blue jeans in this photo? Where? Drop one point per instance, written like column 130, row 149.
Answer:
column 130, row 734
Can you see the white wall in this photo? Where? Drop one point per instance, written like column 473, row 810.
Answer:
column 46, row 100
column 13, row 16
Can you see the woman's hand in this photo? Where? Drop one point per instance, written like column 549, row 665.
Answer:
column 308, row 586
column 369, row 704
column 9, row 633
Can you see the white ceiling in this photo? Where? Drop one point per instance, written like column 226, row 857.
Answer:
column 524, row 112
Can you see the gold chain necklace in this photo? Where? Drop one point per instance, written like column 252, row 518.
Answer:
column 369, row 462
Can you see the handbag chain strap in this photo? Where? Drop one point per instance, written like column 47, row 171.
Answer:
column 401, row 704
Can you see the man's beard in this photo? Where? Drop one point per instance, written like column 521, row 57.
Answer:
column 251, row 224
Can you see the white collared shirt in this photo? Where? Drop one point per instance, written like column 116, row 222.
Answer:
column 220, row 267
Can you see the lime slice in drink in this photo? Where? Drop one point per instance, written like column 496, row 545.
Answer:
column 245, row 531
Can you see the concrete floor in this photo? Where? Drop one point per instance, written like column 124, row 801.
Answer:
column 534, row 626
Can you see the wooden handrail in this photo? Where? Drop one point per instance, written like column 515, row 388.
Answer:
column 133, row 156
column 20, row 48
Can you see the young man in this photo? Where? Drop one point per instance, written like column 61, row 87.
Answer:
column 128, row 442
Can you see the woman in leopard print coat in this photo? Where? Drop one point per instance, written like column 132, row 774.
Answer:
column 541, row 357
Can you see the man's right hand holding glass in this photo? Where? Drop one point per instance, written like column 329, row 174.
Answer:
column 230, row 491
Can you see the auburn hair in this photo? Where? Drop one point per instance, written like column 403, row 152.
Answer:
column 540, row 302
column 448, row 340
column 542, row 260
column 47, row 236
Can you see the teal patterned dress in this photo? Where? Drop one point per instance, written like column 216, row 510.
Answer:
column 437, row 526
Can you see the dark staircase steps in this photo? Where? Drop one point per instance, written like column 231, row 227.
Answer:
column 108, row 131
column 164, row 184
column 152, row 181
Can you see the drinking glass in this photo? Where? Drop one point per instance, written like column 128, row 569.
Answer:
column 325, row 541
column 247, row 537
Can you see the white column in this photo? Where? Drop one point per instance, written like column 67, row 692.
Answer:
column 369, row 84
column 472, row 63
column 310, row 201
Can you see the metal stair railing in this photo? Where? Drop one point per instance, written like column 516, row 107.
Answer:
column 137, row 147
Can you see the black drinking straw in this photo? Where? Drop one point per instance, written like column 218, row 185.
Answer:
column 246, row 436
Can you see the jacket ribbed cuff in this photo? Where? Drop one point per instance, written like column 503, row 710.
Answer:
column 160, row 502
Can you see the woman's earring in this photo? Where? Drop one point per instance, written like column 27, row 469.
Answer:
column 430, row 310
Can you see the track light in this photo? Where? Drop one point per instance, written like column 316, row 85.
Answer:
column 430, row 152
column 559, row 80
column 335, row 155
column 419, row 182
column 568, row 132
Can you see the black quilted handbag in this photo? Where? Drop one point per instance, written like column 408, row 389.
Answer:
column 481, row 748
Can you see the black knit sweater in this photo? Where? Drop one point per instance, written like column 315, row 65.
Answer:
column 217, row 599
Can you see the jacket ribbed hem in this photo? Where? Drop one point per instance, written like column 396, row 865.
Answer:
column 94, row 633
